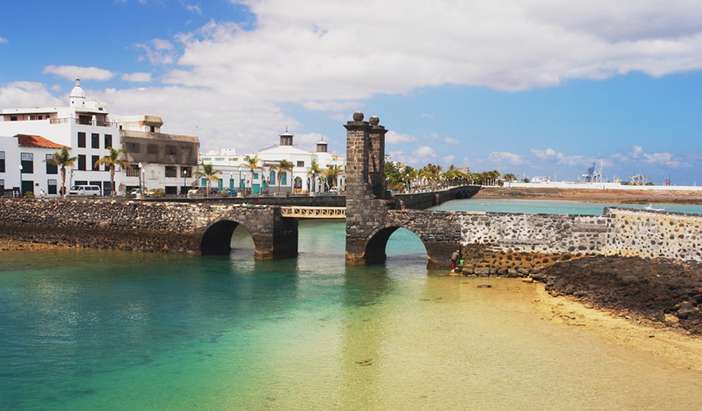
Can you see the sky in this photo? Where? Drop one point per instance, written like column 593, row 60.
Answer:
column 531, row 87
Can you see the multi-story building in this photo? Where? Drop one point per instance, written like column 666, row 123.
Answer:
column 25, row 166
column 84, row 126
column 156, row 160
column 268, row 177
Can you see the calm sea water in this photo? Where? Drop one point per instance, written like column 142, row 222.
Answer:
column 95, row 330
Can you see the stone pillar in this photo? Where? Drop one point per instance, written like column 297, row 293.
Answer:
column 358, row 190
column 376, row 157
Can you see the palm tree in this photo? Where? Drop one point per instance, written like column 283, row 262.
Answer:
column 63, row 159
column 252, row 164
column 314, row 172
column 208, row 171
column 332, row 173
column 111, row 161
column 283, row 167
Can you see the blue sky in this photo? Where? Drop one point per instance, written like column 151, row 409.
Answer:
column 528, row 89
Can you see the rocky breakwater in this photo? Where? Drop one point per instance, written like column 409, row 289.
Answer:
column 658, row 290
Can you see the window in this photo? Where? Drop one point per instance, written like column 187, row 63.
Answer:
column 108, row 140
column 186, row 172
column 52, row 186
column 95, row 140
column 2, row 161
column 27, row 163
column 81, row 139
column 152, row 149
column 94, row 162
column 171, row 150
column 300, row 163
column 271, row 177
column 2, row 187
column 133, row 147
column 81, row 162
column 171, row 190
column 255, row 176
column 171, row 171
column 133, row 171
column 283, row 178
column 51, row 167
column 152, row 129
column 81, row 183
column 13, row 118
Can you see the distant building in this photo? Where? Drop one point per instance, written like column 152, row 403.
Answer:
column 25, row 165
column 268, row 177
column 164, row 161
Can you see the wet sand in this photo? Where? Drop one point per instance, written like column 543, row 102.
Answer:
column 7, row 244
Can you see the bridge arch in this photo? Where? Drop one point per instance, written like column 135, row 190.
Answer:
column 376, row 245
column 216, row 238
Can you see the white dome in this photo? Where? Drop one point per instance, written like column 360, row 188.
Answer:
column 77, row 95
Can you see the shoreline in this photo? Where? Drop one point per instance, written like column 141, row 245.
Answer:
column 593, row 196
column 11, row 245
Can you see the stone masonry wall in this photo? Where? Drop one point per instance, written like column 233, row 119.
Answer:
column 651, row 234
column 145, row 226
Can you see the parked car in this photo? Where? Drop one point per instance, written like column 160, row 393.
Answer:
column 85, row 191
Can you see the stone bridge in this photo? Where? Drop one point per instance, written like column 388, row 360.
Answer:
column 495, row 242
column 198, row 228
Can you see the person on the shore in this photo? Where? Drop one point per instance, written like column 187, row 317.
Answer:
column 453, row 259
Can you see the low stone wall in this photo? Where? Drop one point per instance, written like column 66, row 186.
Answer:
column 422, row 201
column 652, row 234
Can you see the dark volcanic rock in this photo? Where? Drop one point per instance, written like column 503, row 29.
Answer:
column 650, row 288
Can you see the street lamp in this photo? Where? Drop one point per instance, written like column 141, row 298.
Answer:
column 141, row 185
column 20, row 172
column 184, row 174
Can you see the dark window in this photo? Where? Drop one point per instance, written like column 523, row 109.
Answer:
column 106, row 188
column 81, row 162
column 81, row 183
column 2, row 161
column 152, row 129
column 52, row 186
column 152, row 149
column 94, row 162
column 27, row 163
column 2, row 187
column 171, row 150
column 51, row 167
column 171, row 171
column 13, row 118
column 85, row 120
column 171, row 190
column 81, row 139
column 108, row 140
column 133, row 147
column 133, row 171
column 186, row 171
column 95, row 140
column 300, row 163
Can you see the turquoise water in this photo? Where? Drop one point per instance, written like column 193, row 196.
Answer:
column 89, row 330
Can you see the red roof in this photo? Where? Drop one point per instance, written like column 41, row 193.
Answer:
column 27, row 140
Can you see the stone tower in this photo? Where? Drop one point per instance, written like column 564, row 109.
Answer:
column 365, row 183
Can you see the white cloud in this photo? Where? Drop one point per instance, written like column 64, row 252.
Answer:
column 138, row 77
column 193, row 8
column 660, row 158
column 158, row 51
column 26, row 94
column 425, row 152
column 549, row 154
column 506, row 157
column 393, row 137
column 3, row 40
column 83, row 73
column 449, row 158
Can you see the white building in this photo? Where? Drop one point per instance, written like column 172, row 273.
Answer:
column 25, row 166
column 268, row 177
column 84, row 126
